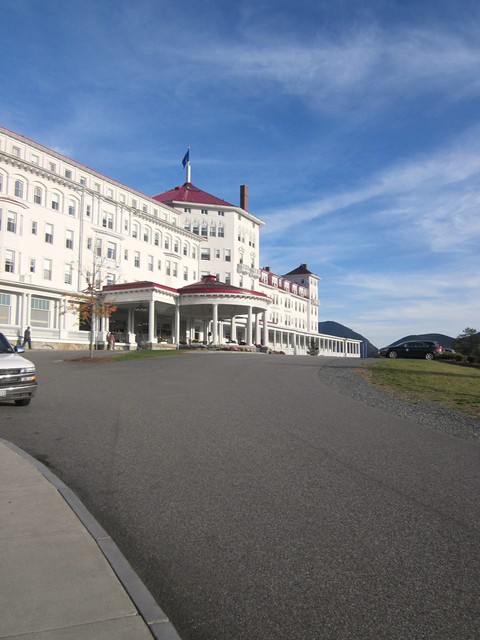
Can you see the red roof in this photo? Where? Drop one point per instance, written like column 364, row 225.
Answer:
column 210, row 284
column 190, row 193
column 299, row 271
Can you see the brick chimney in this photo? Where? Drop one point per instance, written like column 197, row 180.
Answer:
column 244, row 197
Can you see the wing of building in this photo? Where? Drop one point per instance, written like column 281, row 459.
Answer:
column 181, row 268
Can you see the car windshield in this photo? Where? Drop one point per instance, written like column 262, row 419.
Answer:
column 5, row 346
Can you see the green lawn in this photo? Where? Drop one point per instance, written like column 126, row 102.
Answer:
column 455, row 385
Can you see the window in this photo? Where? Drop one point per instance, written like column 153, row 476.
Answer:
column 166, row 243
column 68, row 273
column 107, row 221
column 150, row 263
column 35, row 159
column 205, row 253
column 16, row 151
column 187, row 210
column 88, row 211
column 167, row 267
column 136, row 259
column 134, row 203
column 55, row 202
column 1, row 183
column 196, row 228
column 205, row 212
column 39, row 312
column 125, row 225
column 52, row 167
column 69, row 239
column 204, row 229
column 221, row 231
column 18, row 189
column 111, row 250
column 71, row 208
column 213, row 230
column 4, row 308
column 135, row 230
column 37, row 195
column 194, row 253
column 217, row 253
column 156, row 241
column 68, row 174
column 228, row 255
column 49, row 233
column 159, row 264
column 221, row 213
column 98, row 248
column 32, row 265
column 110, row 279
column 89, row 243
column 176, row 246
column 145, row 208
column 12, row 222
column 9, row 261
column 228, row 277
column 83, row 182
column 47, row 269
column 125, row 254
column 110, row 194
column 146, row 234
column 185, row 273
column 187, row 225
column 185, row 249
column 175, row 269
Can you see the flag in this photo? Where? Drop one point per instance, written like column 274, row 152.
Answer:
column 186, row 158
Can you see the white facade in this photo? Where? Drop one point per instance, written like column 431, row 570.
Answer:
column 65, row 227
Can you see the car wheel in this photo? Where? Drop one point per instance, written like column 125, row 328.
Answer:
column 23, row 403
column 429, row 356
column 393, row 354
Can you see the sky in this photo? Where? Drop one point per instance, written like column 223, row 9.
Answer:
column 355, row 126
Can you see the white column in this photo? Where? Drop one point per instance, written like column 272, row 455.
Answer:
column 233, row 329
column 249, row 326
column 151, row 321
column 257, row 328
column 215, row 324
column 265, row 329
column 177, row 325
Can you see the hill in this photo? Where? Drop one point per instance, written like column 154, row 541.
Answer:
column 445, row 341
column 331, row 328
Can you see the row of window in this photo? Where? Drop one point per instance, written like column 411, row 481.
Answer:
column 68, row 172
column 54, row 200
column 39, row 310
column 204, row 229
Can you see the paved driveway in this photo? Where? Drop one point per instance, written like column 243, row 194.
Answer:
column 258, row 503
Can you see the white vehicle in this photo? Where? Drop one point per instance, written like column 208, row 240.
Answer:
column 18, row 378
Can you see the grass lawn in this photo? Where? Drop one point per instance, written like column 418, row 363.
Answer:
column 457, row 386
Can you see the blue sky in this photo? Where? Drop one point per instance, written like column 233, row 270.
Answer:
column 354, row 124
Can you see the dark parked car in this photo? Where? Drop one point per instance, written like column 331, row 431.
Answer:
column 428, row 349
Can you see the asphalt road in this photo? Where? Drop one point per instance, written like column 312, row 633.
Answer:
column 257, row 503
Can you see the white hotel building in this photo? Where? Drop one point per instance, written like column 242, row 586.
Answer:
column 182, row 267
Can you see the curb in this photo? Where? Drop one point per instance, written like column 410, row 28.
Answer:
column 159, row 625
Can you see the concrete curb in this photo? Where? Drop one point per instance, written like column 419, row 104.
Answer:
column 159, row 625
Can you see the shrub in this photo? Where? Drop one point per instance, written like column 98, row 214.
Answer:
column 471, row 359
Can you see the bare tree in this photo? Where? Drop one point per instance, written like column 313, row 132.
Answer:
column 91, row 303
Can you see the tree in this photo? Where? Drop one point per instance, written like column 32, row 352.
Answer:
column 91, row 303
column 312, row 349
column 468, row 342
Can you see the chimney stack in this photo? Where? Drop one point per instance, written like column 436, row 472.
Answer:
column 244, row 197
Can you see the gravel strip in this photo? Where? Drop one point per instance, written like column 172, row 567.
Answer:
column 344, row 375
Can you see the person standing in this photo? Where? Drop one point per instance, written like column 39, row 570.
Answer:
column 27, row 337
column 111, row 341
